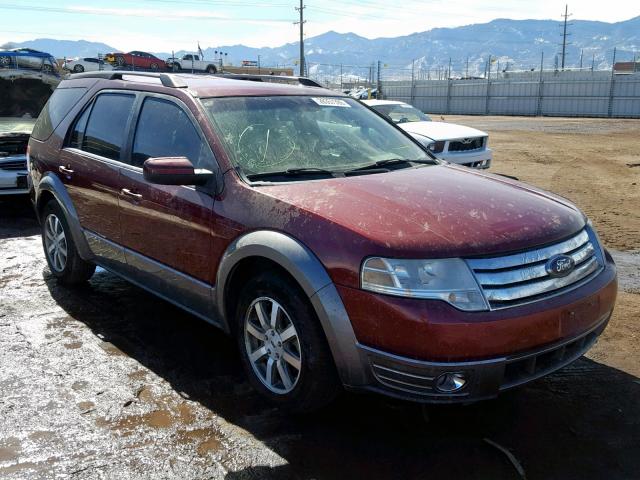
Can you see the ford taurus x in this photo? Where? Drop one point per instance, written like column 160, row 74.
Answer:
column 329, row 243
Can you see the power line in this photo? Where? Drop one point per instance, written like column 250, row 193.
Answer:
column 134, row 13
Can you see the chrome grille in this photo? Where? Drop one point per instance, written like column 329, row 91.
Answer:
column 13, row 165
column 520, row 278
column 466, row 145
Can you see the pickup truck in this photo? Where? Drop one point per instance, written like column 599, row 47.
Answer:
column 191, row 62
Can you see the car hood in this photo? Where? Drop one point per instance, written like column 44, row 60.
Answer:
column 11, row 125
column 441, row 130
column 432, row 211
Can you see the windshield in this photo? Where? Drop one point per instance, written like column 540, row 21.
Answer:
column 271, row 134
column 402, row 113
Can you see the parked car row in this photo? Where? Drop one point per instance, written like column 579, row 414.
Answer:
column 27, row 59
column 332, row 245
column 87, row 64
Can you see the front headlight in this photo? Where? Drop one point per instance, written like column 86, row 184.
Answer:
column 447, row 279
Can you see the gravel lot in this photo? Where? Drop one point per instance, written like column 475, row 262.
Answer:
column 108, row 381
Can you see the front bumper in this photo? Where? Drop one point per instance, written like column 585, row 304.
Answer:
column 476, row 159
column 13, row 182
column 404, row 345
column 415, row 380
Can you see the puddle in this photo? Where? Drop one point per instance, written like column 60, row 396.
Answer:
column 208, row 441
column 185, row 414
column 138, row 375
column 9, row 449
column 79, row 385
column 132, row 423
column 84, row 406
column 41, row 435
column 145, row 394
column 111, row 349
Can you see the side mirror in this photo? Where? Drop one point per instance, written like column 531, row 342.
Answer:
column 174, row 171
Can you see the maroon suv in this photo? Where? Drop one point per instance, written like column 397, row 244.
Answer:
column 332, row 246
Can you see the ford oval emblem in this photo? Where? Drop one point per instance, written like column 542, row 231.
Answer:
column 560, row 266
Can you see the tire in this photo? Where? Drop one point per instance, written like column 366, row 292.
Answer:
column 211, row 69
column 176, row 67
column 69, row 268
column 313, row 383
column 78, row 68
column 5, row 61
column 120, row 61
column 154, row 66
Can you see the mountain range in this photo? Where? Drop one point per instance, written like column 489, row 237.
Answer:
column 516, row 44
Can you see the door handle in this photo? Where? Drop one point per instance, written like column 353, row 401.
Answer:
column 129, row 193
column 66, row 171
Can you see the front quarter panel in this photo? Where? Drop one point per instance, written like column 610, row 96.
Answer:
column 310, row 274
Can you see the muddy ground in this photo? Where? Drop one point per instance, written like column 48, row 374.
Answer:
column 108, row 381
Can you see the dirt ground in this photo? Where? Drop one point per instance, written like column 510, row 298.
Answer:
column 107, row 381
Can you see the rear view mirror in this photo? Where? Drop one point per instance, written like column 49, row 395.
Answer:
column 174, row 171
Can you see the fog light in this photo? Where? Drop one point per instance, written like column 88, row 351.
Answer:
column 450, row 382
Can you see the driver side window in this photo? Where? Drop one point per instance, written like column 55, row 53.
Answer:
column 165, row 130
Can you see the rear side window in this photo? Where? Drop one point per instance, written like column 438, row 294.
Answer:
column 60, row 103
column 165, row 130
column 107, row 125
column 77, row 132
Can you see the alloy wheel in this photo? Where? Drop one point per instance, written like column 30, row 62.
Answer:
column 272, row 345
column 55, row 243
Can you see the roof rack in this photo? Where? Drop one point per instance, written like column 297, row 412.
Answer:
column 167, row 79
column 271, row 79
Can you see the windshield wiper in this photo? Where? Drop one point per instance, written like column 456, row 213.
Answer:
column 292, row 172
column 380, row 164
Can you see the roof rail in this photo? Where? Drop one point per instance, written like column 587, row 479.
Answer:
column 167, row 79
column 271, row 78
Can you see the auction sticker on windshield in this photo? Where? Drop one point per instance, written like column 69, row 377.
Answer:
column 330, row 102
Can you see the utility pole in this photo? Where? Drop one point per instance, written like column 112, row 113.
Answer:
column 466, row 74
column 565, row 34
column 258, row 64
column 593, row 62
column 581, row 54
column 301, row 23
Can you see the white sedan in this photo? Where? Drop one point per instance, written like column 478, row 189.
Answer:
column 447, row 141
column 79, row 65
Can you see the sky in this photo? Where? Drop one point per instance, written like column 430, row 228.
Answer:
column 165, row 25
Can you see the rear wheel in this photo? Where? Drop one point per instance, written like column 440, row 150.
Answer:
column 60, row 250
column 78, row 68
column 282, row 345
column 154, row 66
column 120, row 61
column 211, row 69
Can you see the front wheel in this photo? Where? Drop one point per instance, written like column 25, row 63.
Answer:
column 60, row 250
column 78, row 68
column 283, row 348
column 154, row 66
